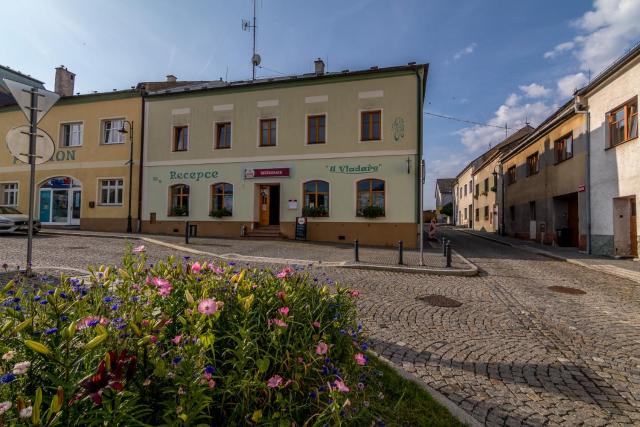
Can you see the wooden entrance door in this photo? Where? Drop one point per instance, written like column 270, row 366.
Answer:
column 265, row 200
column 633, row 227
column 573, row 220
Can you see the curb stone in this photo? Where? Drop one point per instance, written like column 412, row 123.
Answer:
column 443, row 400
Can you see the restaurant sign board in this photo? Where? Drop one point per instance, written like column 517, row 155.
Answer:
column 267, row 173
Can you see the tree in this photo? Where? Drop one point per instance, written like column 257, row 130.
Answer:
column 447, row 209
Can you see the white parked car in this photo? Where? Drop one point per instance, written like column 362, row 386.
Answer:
column 12, row 221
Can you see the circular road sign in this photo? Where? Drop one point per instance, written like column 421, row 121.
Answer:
column 18, row 144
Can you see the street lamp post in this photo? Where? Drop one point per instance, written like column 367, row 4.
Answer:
column 130, row 132
column 497, row 171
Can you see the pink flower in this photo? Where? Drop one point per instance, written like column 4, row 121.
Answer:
column 274, row 381
column 322, row 348
column 145, row 322
column 212, row 383
column 277, row 322
column 341, row 386
column 148, row 280
column 281, row 295
column 207, row 306
column 284, row 311
column 153, row 339
column 176, row 340
column 300, row 360
column 316, row 324
column 360, row 359
column 160, row 282
column 91, row 321
column 136, row 287
column 196, row 267
column 138, row 249
column 355, row 294
column 164, row 291
column 286, row 272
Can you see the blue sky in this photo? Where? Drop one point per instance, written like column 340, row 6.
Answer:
column 491, row 61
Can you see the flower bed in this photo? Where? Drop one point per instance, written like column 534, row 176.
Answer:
column 183, row 343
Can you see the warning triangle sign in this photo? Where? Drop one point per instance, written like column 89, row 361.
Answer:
column 22, row 94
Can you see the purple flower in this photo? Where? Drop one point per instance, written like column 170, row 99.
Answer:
column 209, row 369
column 51, row 331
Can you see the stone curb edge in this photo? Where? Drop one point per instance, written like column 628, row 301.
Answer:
column 462, row 415
column 546, row 254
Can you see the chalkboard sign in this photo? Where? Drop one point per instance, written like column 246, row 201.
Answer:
column 301, row 228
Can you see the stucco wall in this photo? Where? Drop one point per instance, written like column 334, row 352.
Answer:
column 486, row 198
column 463, row 201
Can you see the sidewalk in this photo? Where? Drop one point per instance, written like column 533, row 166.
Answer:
column 624, row 268
column 294, row 252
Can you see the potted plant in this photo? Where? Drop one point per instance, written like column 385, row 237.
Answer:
column 314, row 212
column 219, row 213
column 372, row 212
column 179, row 211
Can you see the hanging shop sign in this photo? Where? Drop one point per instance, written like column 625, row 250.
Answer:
column 354, row 170
column 267, row 173
column 195, row 176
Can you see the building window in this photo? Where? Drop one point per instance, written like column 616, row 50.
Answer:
column 111, row 131
column 316, row 129
column 532, row 211
column 477, row 214
column 9, row 194
column 180, row 138
column 532, row 164
column 486, row 185
column 370, row 199
column 477, row 190
column 316, row 198
column 370, row 122
column 465, row 214
column 221, row 200
column 623, row 123
column 563, row 148
column 223, row 135
column 179, row 200
column 267, row 132
column 71, row 134
column 486, row 212
column 465, row 189
column 512, row 213
column 511, row 175
column 111, row 191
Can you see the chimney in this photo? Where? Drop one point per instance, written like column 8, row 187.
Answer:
column 65, row 81
column 171, row 78
column 319, row 66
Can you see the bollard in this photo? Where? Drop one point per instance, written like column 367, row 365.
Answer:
column 356, row 250
column 444, row 247
column 186, row 232
column 448, row 251
column 400, row 252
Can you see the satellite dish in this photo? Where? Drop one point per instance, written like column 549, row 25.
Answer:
column 255, row 59
column 18, row 144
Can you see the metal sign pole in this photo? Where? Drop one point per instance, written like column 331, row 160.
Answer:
column 32, row 177
column 422, row 177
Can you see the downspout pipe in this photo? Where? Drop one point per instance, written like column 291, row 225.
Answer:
column 141, row 161
column 584, row 109
column 419, row 167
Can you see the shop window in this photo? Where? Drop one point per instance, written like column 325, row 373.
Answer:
column 316, row 129
column 180, row 138
column 111, row 191
column 9, row 194
column 71, row 134
column 221, row 200
column 623, row 123
column 223, row 135
column 532, row 164
column 563, row 148
column 370, row 125
column 371, row 198
column 316, row 198
column 111, row 131
column 179, row 200
column 268, row 133
column 511, row 175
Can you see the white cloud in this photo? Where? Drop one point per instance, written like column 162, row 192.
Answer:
column 561, row 48
column 466, row 51
column 535, row 90
column 513, row 113
column 567, row 85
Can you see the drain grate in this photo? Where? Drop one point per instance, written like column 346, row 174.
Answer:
column 567, row 290
column 440, row 301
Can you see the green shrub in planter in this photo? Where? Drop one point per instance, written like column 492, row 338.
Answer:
column 314, row 211
column 183, row 343
column 372, row 211
column 219, row 213
column 179, row 211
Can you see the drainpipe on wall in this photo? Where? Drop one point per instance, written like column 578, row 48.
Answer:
column 141, row 164
column 584, row 109
column 419, row 167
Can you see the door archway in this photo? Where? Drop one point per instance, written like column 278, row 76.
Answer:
column 59, row 201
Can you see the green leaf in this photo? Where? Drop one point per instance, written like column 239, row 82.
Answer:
column 263, row 365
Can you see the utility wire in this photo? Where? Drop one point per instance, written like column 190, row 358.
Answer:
column 272, row 70
column 464, row 121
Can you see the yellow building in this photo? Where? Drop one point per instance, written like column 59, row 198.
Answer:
column 86, row 182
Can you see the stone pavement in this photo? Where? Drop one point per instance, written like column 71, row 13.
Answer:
column 626, row 268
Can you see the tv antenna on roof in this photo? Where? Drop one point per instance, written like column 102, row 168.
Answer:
column 247, row 26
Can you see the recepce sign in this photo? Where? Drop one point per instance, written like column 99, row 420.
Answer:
column 196, row 176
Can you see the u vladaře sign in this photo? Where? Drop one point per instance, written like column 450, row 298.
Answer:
column 22, row 94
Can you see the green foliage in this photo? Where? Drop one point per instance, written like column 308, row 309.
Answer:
column 179, row 211
column 219, row 213
column 314, row 211
column 372, row 212
column 447, row 209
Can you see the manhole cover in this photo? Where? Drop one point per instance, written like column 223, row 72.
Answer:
column 567, row 290
column 439, row 301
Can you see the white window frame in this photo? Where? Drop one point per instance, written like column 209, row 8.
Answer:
column 103, row 129
column 80, row 124
column 108, row 187
column 15, row 191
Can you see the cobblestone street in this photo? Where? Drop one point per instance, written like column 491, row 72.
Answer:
column 514, row 353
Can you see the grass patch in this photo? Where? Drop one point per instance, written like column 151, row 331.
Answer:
column 405, row 403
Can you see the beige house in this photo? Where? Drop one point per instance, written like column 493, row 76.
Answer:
column 253, row 157
column 463, row 197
